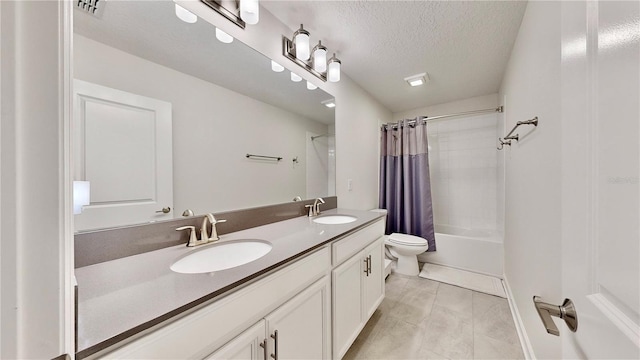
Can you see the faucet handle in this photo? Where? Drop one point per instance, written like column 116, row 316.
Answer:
column 311, row 208
column 192, row 234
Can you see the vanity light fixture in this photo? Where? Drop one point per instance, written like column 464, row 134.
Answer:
column 295, row 77
column 81, row 195
column 223, row 36
column 250, row 11
column 240, row 12
column 311, row 86
column 334, row 69
column 185, row 15
column 313, row 60
column 331, row 103
column 320, row 58
column 417, row 80
column 276, row 67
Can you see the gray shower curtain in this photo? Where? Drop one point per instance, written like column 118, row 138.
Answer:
column 405, row 187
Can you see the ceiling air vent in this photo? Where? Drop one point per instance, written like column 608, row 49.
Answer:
column 92, row 7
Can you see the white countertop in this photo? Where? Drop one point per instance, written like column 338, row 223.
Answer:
column 119, row 298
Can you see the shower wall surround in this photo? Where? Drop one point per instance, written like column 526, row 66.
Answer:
column 463, row 163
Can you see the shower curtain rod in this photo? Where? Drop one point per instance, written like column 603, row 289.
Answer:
column 499, row 109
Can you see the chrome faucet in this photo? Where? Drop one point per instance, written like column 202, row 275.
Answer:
column 314, row 210
column 204, row 231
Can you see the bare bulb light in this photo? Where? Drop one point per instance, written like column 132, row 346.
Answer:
column 250, row 11
column 185, row 15
column 223, row 36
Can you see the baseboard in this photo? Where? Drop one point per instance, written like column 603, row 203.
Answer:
column 460, row 268
column 527, row 350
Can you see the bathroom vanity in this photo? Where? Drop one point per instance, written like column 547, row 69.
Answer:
column 309, row 297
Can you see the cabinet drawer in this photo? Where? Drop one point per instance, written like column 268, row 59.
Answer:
column 352, row 244
column 198, row 334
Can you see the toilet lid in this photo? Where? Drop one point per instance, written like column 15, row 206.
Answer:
column 404, row 239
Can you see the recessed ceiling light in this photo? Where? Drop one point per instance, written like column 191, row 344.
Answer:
column 417, row 80
column 331, row 103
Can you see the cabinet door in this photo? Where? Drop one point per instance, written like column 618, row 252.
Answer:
column 247, row 346
column 373, row 287
column 347, row 303
column 301, row 328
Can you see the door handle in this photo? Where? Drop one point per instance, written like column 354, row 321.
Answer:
column 566, row 312
column 263, row 345
column 274, row 356
column 164, row 210
column 366, row 266
column 369, row 264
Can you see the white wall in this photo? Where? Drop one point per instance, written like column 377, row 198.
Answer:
column 213, row 129
column 531, row 87
column 357, row 113
column 35, row 212
column 463, row 162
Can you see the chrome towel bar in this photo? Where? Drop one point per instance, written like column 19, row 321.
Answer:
column 507, row 139
column 277, row 158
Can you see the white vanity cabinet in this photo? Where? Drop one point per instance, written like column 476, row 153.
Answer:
column 250, row 345
column 288, row 300
column 299, row 329
column 358, row 285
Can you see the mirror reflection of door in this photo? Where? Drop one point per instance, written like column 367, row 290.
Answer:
column 123, row 147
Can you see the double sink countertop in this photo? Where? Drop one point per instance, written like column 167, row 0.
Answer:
column 122, row 297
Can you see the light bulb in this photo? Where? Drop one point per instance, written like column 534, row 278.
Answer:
column 185, row 15
column 276, row 67
column 295, row 77
column 334, row 69
column 250, row 11
column 223, row 36
column 301, row 41
column 320, row 58
column 310, row 86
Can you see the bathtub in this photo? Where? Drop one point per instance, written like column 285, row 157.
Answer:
column 467, row 249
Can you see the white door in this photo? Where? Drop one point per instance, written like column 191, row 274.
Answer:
column 301, row 328
column 601, row 171
column 122, row 146
column 373, row 280
column 250, row 345
column 347, row 303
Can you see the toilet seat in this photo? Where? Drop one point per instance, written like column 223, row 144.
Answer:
column 406, row 240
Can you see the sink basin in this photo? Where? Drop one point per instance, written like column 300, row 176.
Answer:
column 221, row 256
column 335, row 219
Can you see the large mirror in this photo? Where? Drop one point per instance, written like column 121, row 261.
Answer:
column 165, row 116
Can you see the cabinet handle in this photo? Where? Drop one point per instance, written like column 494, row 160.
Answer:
column 366, row 266
column 369, row 264
column 274, row 356
column 263, row 345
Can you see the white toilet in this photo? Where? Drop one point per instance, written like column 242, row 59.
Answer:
column 406, row 248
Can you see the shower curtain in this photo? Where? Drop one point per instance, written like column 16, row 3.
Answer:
column 405, row 187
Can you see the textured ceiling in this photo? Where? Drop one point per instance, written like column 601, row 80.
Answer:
column 150, row 30
column 464, row 46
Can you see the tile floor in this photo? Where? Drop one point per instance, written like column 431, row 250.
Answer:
column 425, row 319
